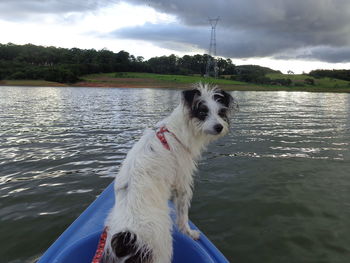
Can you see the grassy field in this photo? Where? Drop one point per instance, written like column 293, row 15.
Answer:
column 180, row 79
column 128, row 79
column 320, row 84
column 149, row 80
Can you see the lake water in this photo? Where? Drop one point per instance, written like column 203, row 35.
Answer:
column 275, row 190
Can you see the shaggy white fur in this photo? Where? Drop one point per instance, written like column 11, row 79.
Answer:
column 139, row 225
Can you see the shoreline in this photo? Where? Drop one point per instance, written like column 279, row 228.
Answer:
column 152, row 83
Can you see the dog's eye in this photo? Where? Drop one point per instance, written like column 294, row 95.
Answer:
column 222, row 112
column 203, row 113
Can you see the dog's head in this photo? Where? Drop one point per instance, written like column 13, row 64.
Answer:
column 209, row 109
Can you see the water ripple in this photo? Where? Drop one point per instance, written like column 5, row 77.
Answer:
column 272, row 187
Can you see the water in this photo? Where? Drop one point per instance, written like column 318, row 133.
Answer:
column 275, row 190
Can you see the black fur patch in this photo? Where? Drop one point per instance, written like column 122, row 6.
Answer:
column 200, row 111
column 224, row 98
column 124, row 244
column 189, row 96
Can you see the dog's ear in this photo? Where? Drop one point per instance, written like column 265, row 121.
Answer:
column 224, row 98
column 189, row 95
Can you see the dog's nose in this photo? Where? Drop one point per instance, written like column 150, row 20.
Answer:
column 218, row 128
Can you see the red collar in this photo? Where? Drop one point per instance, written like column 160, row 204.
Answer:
column 161, row 137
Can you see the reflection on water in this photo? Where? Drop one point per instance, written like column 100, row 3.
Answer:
column 274, row 190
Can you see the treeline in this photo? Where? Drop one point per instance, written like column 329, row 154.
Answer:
column 60, row 64
column 67, row 65
column 336, row 74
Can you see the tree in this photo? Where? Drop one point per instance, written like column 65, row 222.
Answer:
column 67, row 65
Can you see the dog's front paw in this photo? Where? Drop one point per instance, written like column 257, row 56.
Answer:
column 194, row 234
column 185, row 229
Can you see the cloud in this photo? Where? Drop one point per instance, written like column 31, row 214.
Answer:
column 237, row 44
column 20, row 10
column 255, row 28
column 288, row 29
column 178, row 36
column 320, row 53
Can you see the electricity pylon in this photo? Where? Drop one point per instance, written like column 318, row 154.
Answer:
column 212, row 67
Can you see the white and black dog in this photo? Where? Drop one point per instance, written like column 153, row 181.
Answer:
column 160, row 167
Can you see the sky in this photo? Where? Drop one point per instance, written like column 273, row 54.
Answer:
column 297, row 35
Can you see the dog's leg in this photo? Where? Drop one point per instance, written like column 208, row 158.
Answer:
column 182, row 199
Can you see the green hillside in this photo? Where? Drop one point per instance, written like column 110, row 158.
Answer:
column 298, row 81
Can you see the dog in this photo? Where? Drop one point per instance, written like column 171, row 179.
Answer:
column 160, row 168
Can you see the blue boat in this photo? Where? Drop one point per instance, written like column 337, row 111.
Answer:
column 79, row 242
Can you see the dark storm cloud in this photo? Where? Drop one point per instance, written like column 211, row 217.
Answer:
column 20, row 10
column 164, row 32
column 231, row 44
column 255, row 28
column 289, row 29
column 175, row 35
column 329, row 54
